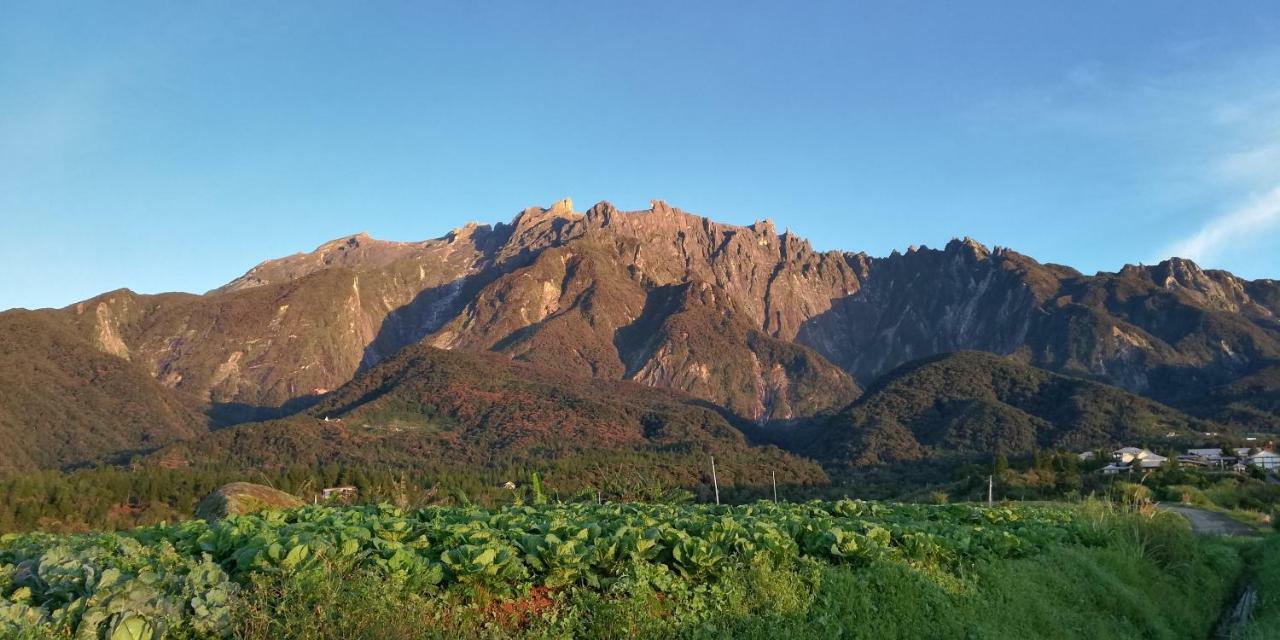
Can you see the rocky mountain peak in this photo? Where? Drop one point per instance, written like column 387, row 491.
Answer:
column 358, row 249
column 601, row 214
column 1178, row 272
column 764, row 228
column 468, row 231
column 560, row 210
column 967, row 246
column 660, row 207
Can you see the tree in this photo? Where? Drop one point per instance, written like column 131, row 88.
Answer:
column 1001, row 464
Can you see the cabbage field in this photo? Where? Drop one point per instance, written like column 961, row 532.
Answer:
column 187, row 579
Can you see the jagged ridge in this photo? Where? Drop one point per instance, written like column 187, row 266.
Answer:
column 745, row 318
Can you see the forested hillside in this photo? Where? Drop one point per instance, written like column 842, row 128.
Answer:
column 977, row 403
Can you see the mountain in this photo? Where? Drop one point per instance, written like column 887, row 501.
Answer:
column 974, row 402
column 64, row 402
column 669, row 299
column 664, row 297
column 751, row 321
column 426, row 407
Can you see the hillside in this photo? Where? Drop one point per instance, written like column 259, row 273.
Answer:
column 430, row 408
column 973, row 402
column 1250, row 402
column 66, row 403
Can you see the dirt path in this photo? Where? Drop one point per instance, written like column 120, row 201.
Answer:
column 1210, row 523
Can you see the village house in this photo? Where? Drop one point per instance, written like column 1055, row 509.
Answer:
column 1144, row 458
column 1190, row 460
column 1266, row 460
column 1130, row 458
column 1215, row 458
column 344, row 493
column 1238, row 459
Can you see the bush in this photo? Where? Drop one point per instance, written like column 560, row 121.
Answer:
column 1186, row 494
column 1131, row 493
column 1253, row 496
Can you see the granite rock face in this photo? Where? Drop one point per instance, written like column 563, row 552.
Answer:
column 750, row 320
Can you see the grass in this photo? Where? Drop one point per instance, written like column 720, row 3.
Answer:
column 1065, row 593
column 1264, row 574
column 1155, row 580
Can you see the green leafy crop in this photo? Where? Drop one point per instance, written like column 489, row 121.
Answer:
column 184, row 578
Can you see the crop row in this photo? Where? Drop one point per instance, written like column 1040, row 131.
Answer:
column 186, row 576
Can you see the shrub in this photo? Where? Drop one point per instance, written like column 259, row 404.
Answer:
column 1186, row 494
column 1131, row 493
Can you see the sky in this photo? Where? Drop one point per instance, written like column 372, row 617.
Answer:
column 171, row 146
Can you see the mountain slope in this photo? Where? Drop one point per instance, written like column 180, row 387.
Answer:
column 1250, row 402
column 973, row 402
column 1170, row 331
column 65, row 402
column 428, row 407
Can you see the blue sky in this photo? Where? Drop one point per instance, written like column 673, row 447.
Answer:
column 171, row 146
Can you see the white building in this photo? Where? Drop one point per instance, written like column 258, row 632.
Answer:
column 1211, row 455
column 338, row 492
column 1239, row 458
column 1145, row 459
column 1264, row 460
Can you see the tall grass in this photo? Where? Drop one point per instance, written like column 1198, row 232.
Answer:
column 1150, row 578
column 1264, row 574
column 1143, row 530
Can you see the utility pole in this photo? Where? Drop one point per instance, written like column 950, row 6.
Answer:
column 991, row 485
column 714, row 482
column 774, row 474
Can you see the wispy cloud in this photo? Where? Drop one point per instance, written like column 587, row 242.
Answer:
column 1260, row 215
column 1260, row 162
column 1208, row 128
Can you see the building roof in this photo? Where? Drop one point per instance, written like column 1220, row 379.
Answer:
column 1141, row 454
column 1208, row 453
